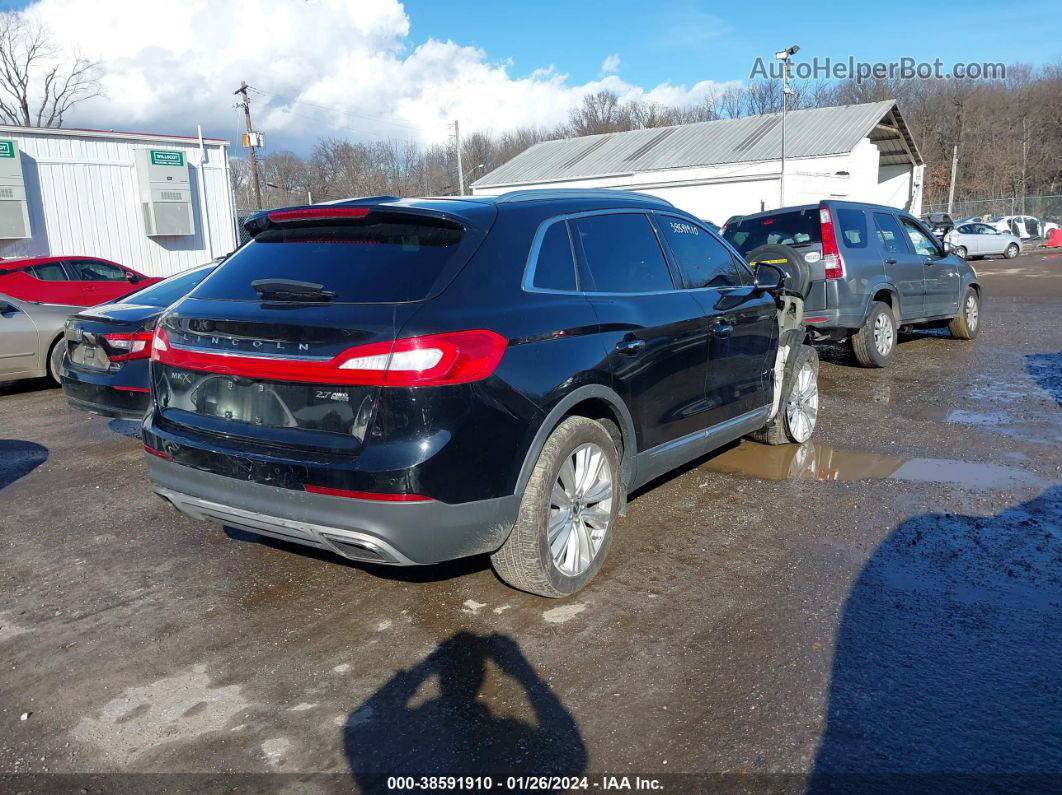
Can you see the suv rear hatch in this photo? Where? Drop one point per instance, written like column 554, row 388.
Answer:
column 289, row 341
column 801, row 229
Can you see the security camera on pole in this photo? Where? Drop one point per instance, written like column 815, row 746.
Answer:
column 787, row 72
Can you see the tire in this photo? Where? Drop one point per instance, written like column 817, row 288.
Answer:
column 55, row 360
column 966, row 324
column 798, row 407
column 526, row 559
column 959, row 251
column 1011, row 251
column 875, row 342
column 798, row 274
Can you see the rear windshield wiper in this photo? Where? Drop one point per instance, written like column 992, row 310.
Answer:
column 291, row 290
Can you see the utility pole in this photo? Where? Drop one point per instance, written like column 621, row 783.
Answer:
column 460, row 168
column 787, row 72
column 954, row 169
column 246, row 104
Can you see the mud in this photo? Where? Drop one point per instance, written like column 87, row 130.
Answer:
column 885, row 601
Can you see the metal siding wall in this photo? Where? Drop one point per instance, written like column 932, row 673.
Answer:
column 83, row 199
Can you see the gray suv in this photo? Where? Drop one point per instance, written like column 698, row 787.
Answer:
column 867, row 271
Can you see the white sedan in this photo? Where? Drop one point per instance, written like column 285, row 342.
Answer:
column 981, row 240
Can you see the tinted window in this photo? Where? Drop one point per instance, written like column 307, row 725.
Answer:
column 853, row 225
column 923, row 244
column 889, row 234
column 555, row 266
column 793, row 228
column 705, row 262
column 52, row 272
column 92, row 271
column 170, row 290
column 383, row 258
column 620, row 254
column 969, row 229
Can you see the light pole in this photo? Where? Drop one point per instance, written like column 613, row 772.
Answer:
column 787, row 66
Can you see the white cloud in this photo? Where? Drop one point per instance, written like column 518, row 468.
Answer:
column 322, row 67
column 611, row 64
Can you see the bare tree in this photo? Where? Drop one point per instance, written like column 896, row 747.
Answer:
column 37, row 87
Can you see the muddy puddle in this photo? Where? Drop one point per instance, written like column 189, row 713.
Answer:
column 812, row 461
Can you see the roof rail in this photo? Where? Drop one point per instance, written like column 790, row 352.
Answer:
column 512, row 197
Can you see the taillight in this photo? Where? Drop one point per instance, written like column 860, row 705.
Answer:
column 457, row 357
column 831, row 255
column 318, row 214
column 137, row 345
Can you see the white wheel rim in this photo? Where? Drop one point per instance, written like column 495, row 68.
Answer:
column 971, row 311
column 884, row 335
column 580, row 509
column 802, row 410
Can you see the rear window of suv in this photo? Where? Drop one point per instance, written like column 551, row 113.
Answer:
column 794, row 228
column 384, row 258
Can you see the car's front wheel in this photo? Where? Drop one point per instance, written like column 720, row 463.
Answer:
column 564, row 527
column 966, row 324
column 875, row 341
column 1011, row 251
column 798, row 410
column 960, row 251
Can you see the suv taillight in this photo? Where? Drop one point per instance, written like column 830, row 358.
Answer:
column 831, row 255
column 456, row 357
column 136, row 344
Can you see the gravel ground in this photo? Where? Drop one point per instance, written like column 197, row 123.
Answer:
column 884, row 601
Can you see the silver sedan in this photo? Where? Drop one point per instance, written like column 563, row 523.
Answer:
column 31, row 338
column 977, row 239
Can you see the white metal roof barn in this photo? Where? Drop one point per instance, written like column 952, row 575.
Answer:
column 716, row 169
column 157, row 203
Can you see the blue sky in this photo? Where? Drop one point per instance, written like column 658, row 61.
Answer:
column 373, row 70
column 686, row 41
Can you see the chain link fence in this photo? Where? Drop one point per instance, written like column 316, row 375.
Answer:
column 1047, row 208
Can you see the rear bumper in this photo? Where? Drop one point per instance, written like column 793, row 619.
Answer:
column 409, row 533
column 103, row 398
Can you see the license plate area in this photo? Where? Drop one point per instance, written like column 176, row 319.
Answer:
column 243, row 404
column 91, row 357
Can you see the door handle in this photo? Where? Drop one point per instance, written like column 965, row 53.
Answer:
column 722, row 330
column 630, row 347
column 890, row 261
column 929, row 261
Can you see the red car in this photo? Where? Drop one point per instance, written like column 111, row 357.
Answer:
column 77, row 281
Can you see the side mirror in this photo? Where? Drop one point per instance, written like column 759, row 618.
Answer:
column 6, row 307
column 769, row 278
column 132, row 278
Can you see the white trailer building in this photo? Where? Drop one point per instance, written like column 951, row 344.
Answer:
column 716, row 169
column 157, row 203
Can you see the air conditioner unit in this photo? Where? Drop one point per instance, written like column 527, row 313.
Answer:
column 165, row 192
column 14, row 214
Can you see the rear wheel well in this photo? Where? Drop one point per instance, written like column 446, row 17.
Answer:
column 600, row 409
column 886, row 297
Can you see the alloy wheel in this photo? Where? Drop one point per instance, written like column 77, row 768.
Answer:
column 884, row 334
column 802, row 410
column 580, row 509
column 972, row 312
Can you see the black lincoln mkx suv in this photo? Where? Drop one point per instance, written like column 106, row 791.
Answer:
column 411, row 381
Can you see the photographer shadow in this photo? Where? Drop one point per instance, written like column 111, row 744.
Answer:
column 439, row 718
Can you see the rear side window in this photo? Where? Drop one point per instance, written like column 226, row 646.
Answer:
column 52, row 272
column 93, row 271
column 853, row 227
column 620, row 254
column 889, row 234
column 555, row 265
column 705, row 262
column 923, row 244
column 171, row 290
column 793, row 228
column 383, row 258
